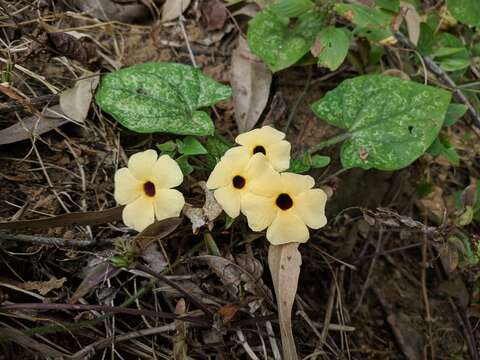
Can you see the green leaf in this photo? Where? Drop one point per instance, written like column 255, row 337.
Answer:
column 370, row 22
column 190, row 146
column 333, row 45
column 279, row 41
column 390, row 122
column 291, row 8
column 392, row 5
column 454, row 113
column 161, row 97
column 320, row 161
column 184, row 165
column 426, row 40
column 168, row 147
column 298, row 166
column 216, row 146
column 457, row 61
column 441, row 146
column 465, row 11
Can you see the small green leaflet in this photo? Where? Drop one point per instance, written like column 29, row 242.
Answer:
column 291, row 8
column 390, row 122
column 161, row 97
column 370, row 22
column 274, row 39
column 441, row 146
column 465, row 11
column 391, row 5
column 451, row 53
column 332, row 44
column 190, row 146
column 307, row 162
column 454, row 113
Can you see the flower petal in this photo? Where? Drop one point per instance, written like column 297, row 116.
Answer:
column 263, row 136
column 287, row 228
column 294, row 184
column 259, row 210
column 229, row 200
column 262, row 179
column 166, row 173
column 221, row 175
column 279, row 155
column 141, row 164
column 168, row 203
column 127, row 187
column 238, row 158
column 310, row 207
column 139, row 214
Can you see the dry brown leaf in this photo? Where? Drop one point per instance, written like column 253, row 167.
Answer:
column 75, row 102
column 284, row 262
column 111, row 10
column 44, row 287
column 98, row 273
column 251, row 80
column 413, row 21
column 200, row 217
column 228, row 312
column 215, row 14
column 172, row 9
column 32, row 126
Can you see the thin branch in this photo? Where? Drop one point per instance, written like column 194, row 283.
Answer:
column 55, row 241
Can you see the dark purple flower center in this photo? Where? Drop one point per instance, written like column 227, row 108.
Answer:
column 149, row 188
column 284, row 201
column 238, row 182
column 259, row 149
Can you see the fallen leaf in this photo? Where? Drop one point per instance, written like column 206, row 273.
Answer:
column 250, row 80
column 99, row 272
column 284, row 262
column 73, row 48
column 205, row 215
column 44, row 287
column 180, row 345
column 413, row 21
column 172, row 9
column 228, row 312
column 111, row 10
column 33, row 126
column 215, row 14
column 75, row 102
column 75, row 218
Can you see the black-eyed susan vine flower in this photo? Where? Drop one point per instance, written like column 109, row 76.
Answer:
column 145, row 187
column 233, row 176
column 285, row 204
column 269, row 142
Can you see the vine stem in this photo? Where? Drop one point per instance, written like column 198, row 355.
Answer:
column 329, row 142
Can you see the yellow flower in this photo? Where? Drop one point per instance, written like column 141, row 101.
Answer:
column 234, row 175
column 269, row 142
column 145, row 188
column 285, row 204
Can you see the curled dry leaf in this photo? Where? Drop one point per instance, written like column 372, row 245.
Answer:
column 44, row 287
column 250, row 80
column 111, row 10
column 33, row 126
column 200, row 217
column 284, row 262
column 413, row 21
column 75, row 102
column 172, row 9
column 82, row 50
column 215, row 14
column 96, row 273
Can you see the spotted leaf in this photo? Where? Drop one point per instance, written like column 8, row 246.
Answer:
column 390, row 122
column 161, row 97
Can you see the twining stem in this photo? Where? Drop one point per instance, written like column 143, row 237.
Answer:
column 329, row 142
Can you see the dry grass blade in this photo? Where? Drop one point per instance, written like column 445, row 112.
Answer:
column 284, row 262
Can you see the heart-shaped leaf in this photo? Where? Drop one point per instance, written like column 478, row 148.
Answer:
column 332, row 47
column 161, row 97
column 465, row 11
column 390, row 121
column 280, row 43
